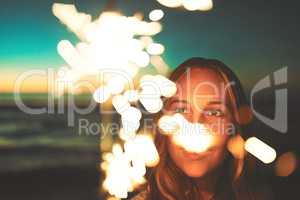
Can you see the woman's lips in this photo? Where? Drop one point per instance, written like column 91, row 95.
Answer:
column 196, row 156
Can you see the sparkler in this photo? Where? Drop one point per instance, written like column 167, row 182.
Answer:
column 110, row 36
column 125, row 44
column 126, row 169
column 114, row 42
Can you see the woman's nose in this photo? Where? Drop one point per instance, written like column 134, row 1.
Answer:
column 198, row 116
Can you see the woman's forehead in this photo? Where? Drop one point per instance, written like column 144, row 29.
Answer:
column 200, row 82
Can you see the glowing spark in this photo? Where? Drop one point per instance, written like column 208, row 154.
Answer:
column 126, row 170
column 260, row 150
column 152, row 105
column 132, row 95
column 203, row 5
column 235, row 146
column 129, row 125
column 115, row 85
column 155, row 49
column 153, row 87
column 108, row 42
column 167, row 87
column 193, row 137
column 132, row 113
column 141, row 58
column 160, row 65
column 168, row 124
column 286, row 164
column 120, row 103
column 142, row 149
column 70, row 54
column 126, row 135
column 68, row 14
column 170, row 3
column 146, row 41
column 102, row 94
column 191, row 4
column 156, row 15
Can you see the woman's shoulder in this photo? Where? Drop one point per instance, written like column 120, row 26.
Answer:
column 140, row 196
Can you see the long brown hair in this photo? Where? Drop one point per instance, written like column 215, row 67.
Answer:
column 167, row 182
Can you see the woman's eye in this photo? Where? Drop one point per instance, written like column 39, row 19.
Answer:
column 180, row 110
column 215, row 113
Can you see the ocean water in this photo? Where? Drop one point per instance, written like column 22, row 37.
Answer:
column 42, row 158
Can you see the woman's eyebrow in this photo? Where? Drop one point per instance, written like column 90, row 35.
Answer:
column 214, row 102
column 176, row 100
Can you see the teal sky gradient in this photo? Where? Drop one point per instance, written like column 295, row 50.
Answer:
column 252, row 37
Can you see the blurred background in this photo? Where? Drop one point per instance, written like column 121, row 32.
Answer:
column 41, row 157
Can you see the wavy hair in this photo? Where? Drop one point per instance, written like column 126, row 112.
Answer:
column 167, row 182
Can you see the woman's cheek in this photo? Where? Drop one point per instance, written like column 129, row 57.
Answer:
column 219, row 126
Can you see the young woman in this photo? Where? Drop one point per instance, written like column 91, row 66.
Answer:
column 208, row 92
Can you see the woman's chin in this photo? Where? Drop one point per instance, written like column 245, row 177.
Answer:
column 194, row 172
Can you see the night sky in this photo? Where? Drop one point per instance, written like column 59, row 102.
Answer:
column 253, row 37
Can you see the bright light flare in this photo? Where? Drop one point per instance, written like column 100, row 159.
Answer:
column 150, row 94
column 126, row 169
column 192, row 5
column 167, row 88
column 193, row 137
column 132, row 95
column 235, row 146
column 142, row 149
column 168, row 125
column 116, row 85
column 155, row 49
column 156, row 86
column 286, row 164
column 132, row 113
column 146, row 41
column 152, row 105
column 125, row 135
column 117, row 181
column 205, row 5
column 69, row 53
column 141, row 58
column 69, row 15
column 112, row 41
column 260, row 150
column 120, row 103
column 160, row 65
column 129, row 125
column 170, row 3
column 102, row 94
column 156, row 15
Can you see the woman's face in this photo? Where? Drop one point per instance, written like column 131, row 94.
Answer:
column 201, row 98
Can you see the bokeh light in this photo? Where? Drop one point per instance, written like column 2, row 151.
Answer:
column 156, row 15
column 170, row 3
column 286, row 164
column 260, row 150
column 235, row 146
